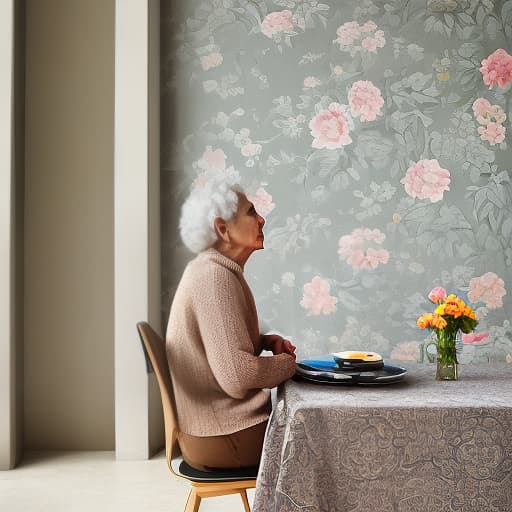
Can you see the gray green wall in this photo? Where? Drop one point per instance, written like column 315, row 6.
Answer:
column 240, row 91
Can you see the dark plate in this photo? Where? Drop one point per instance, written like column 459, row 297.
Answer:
column 357, row 364
column 325, row 370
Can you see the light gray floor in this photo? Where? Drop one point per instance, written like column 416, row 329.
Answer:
column 95, row 481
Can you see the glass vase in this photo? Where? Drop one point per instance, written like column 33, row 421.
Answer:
column 447, row 364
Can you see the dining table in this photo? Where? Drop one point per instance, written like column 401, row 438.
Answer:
column 418, row 445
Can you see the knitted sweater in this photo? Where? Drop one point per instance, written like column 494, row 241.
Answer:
column 213, row 345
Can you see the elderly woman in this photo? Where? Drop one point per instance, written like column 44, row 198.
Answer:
column 221, row 383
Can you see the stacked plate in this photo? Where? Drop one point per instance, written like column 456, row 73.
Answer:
column 350, row 367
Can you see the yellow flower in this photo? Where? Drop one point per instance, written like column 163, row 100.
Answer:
column 440, row 309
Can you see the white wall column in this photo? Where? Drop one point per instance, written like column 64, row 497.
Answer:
column 139, row 421
column 7, row 197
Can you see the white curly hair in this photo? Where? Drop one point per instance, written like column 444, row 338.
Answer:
column 213, row 194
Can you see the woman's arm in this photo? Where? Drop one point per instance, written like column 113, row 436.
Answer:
column 221, row 312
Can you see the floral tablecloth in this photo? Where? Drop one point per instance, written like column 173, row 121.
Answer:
column 416, row 446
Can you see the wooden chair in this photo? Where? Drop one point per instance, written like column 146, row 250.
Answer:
column 205, row 484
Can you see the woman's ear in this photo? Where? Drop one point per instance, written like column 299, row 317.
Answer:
column 221, row 229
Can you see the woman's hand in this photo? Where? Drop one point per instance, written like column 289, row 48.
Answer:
column 278, row 345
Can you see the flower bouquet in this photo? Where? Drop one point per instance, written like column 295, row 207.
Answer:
column 451, row 315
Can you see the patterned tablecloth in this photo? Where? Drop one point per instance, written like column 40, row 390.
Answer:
column 416, row 446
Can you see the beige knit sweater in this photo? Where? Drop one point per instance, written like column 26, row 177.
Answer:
column 213, row 347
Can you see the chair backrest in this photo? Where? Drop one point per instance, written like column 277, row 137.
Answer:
column 154, row 347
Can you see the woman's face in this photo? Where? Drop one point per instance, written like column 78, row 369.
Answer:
column 246, row 227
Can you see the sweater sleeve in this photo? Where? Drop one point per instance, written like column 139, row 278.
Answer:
column 221, row 315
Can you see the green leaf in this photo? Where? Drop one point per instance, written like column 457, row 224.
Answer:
column 484, row 212
column 349, row 301
column 467, row 324
column 453, row 97
column 491, row 27
column 422, row 98
column 353, row 174
column 324, row 160
column 493, row 222
column 506, row 228
column 482, row 234
column 429, row 23
column 449, row 20
column 480, row 15
column 432, row 91
column 466, row 18
column 466, row 32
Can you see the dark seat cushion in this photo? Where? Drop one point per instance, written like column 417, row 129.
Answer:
column 217, row 475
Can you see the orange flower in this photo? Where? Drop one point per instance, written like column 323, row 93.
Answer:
column 453, row 306
column 439, row 322
column 452, row 310
column 468, row 311
column 424, row 321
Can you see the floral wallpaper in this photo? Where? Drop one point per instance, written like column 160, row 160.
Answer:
column 374, row 137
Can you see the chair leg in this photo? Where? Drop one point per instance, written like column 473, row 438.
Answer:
column 193, row 501
column 243, row 494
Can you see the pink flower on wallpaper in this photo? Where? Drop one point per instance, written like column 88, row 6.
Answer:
column 262, row 201
column 330, row 128
column 311, row 81
column 406, row 351
column 212, row 159
column 251, row 149
column 358, row 249
column 493, row 133
column 437, row 294
column 369, row 26
column 381, row 40
column 276, row 22
column 365, row 100
column 211, row 61
column 497, row 69
column 486, row 113
column 490, row 118
column 474, row 337
column 481, row 106
column 370, row 44
column 374, row 257
column 497, row 114
column 348, row 33
column 316, row 298
column 489, row 289
column 426, row 179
